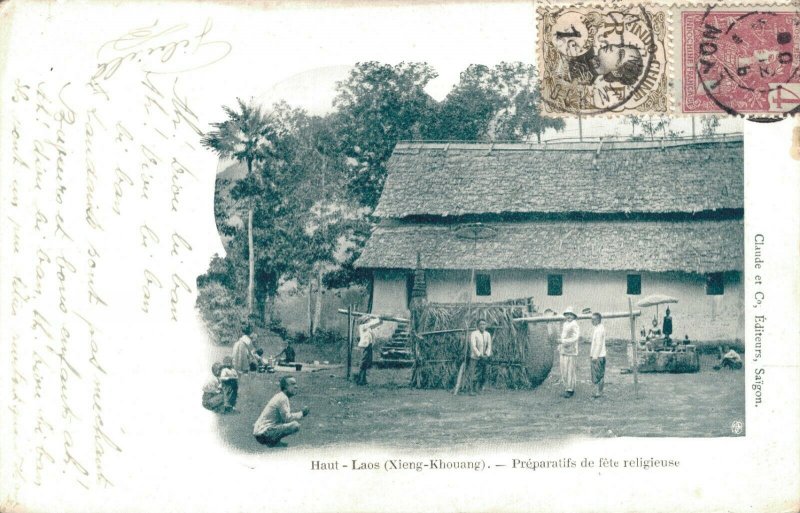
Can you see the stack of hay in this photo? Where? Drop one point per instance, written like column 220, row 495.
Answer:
column 522, row 353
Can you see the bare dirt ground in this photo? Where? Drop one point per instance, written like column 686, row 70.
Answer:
column 388, row 413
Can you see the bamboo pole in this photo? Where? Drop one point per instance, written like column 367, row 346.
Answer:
column 456, row 330
column 349, row 339
column 463, row 367
column 635, row 352
column 561, row 318
column 379, row 316
column 417, row 370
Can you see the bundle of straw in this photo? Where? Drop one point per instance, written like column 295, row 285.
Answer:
column 522, row 356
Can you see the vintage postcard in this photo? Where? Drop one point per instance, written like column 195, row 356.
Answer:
column 401, row 256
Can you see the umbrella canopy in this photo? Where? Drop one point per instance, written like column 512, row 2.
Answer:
column 655, row 300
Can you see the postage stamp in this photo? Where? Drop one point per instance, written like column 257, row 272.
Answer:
column 609, row 59
column 738, row 60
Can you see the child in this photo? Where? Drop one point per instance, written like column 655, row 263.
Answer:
column 260, row 362
column 213, row 399
column 230, row 384
column 598, row 354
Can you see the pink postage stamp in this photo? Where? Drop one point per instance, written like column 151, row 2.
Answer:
column 741, row 60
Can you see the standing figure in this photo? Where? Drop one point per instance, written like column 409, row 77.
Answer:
column 229, row 379
column 568, row 351
column 243, row 353
column 277, row 420
column 480, row 350
column 366, row 343
column 598, row 354
column 666, row 326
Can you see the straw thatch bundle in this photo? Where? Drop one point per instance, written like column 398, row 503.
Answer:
column 522, row 353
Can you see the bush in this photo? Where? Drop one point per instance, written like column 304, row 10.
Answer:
column 299, row 338
column 325, row 337
column 320, row 338
column 276, row 326
column 221, row 315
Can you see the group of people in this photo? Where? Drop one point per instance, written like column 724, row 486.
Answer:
column 568, row 353
column 480, row 353
column 221, row 392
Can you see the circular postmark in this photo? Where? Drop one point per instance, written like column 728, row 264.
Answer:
column 749, row 62
column 598, row 60
column 737, row 426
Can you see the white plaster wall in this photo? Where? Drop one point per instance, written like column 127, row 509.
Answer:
column 389, row 297
column 702, row 317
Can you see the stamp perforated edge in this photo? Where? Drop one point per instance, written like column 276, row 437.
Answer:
column 677, row 55
column 673, row 50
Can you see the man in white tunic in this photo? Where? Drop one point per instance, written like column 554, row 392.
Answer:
column 480, row 350
column 568, row 351
column 277, row 419
column 243, row 351
column 598, row 354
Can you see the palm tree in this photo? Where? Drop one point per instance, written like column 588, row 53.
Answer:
column 245, row 137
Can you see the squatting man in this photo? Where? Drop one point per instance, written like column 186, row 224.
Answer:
column 277, row 420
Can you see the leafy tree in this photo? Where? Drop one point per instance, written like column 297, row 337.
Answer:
column 467, row 112
column 651, row 126
column 267, row 143
column 521, row 116
column 378, row 105
column 634, row 122
column 499, row 103
column 330, row 216
column 243, row 136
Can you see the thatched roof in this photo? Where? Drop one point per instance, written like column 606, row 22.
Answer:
column 454, row 179
column 700, row 246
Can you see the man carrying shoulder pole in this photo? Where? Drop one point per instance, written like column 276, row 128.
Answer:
column 598, row 354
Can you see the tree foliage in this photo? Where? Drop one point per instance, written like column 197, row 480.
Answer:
column 499, row 103
column 312, row 182
column 376, row 106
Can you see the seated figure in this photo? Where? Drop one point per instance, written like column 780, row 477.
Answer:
column 729, row 360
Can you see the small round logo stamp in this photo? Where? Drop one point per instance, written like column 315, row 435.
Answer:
column 737, row 426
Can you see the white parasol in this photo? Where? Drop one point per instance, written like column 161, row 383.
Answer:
column 655, row 300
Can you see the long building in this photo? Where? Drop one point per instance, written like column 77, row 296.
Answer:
column 586, row 225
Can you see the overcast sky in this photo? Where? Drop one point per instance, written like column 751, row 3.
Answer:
column 302, row 53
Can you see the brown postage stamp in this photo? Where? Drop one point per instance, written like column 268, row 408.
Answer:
column 603, row 59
